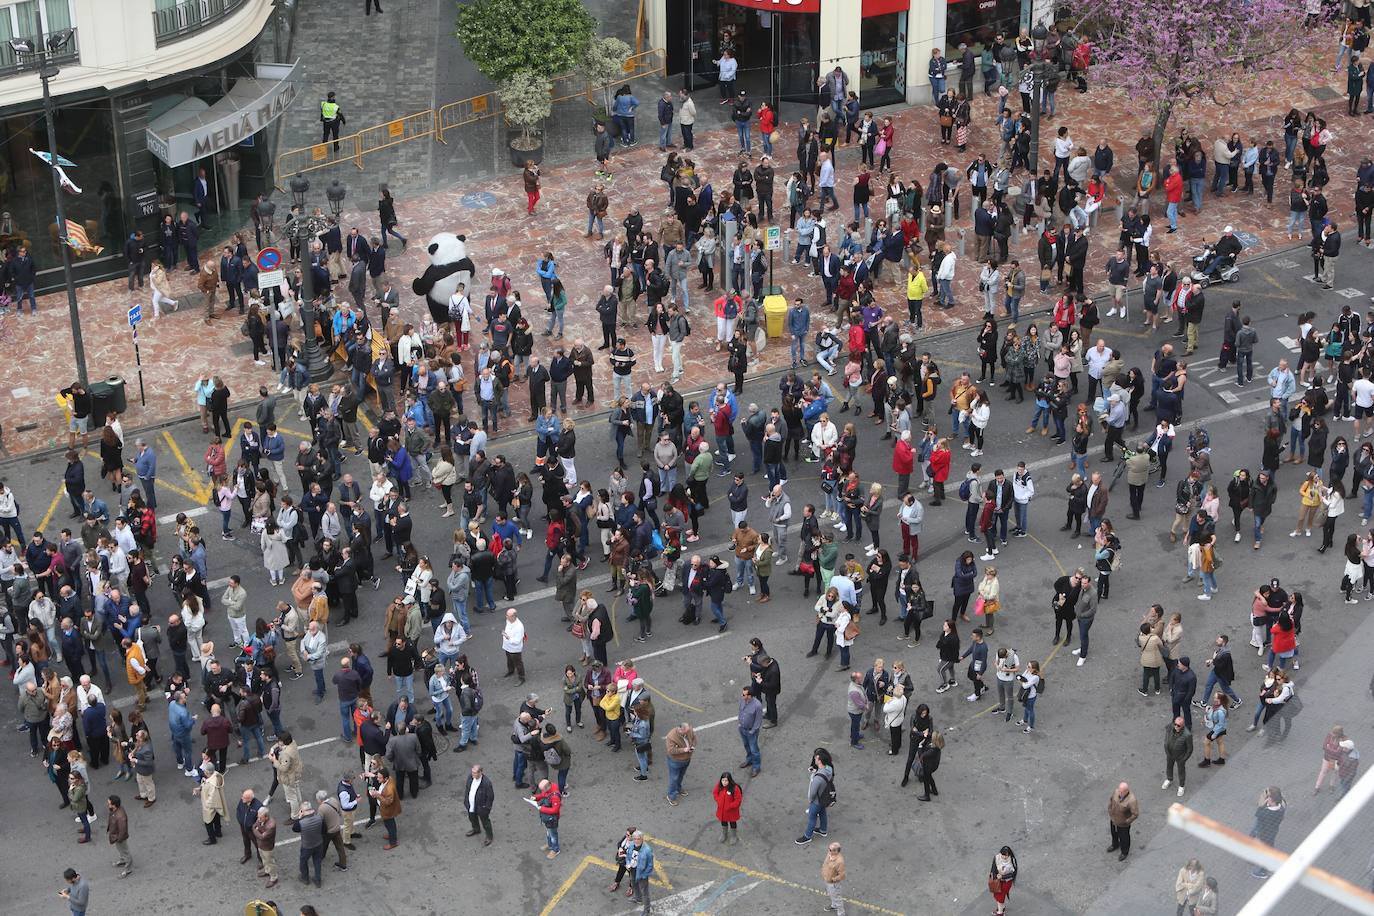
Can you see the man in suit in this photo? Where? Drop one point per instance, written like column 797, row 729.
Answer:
column 200, row 193
column 332, row 239
column 478, row 797
column 357, row 247
column 387, row 299
column 830, row 273
column 717, row 580
column 188, row 235
column 538, row 378
column 232, row 276
column 693, row 587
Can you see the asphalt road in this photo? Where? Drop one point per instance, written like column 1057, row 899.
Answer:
column 1044, row 793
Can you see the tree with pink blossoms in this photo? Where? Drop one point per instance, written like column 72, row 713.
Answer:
column 1165, row 54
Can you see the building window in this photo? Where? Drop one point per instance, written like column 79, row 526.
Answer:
column 85, row 135
column 882, row 62
column 977, row 22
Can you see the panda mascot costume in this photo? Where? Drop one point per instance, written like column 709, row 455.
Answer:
column 449, row 265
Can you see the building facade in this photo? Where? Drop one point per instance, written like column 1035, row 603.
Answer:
column 149, row 93
column 785, row 46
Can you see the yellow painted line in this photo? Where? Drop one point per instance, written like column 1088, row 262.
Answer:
column 766, row 876
column 1050, row 552
column 1043, row 665
column 671, row 700
column 566, row 886
column 367, row 424
column 52, row 508
column 161, row 484
column 193, row 479
column 598, row 862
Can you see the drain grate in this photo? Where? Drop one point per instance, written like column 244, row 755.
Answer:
column 1323, row 93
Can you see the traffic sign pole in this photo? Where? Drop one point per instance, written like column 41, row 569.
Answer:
column 138, row 361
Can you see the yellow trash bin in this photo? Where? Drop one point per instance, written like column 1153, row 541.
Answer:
column 775, row 314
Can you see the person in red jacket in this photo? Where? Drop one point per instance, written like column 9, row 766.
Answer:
column 768, row 122
column 1173, row 195
column 729, row 797
column 550, row 805
column 903, row 461
column 939, row 469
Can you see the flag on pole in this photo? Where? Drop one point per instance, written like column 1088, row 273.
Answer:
column 47, row 157
column 58, row 167
column 78, row 241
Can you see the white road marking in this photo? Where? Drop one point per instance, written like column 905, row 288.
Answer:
column 686, row 645
column 189, row 513
column 1285, row 263
column 1291, row 343
column 734, row 719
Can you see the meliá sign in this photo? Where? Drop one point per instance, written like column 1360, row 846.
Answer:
column 782, row 6
column 231, row 133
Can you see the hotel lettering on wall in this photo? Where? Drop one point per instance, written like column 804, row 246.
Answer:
column 224, row 135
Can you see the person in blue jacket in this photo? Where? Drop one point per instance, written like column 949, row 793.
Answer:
column 640, row 858
column 798, row 326
column 623, row 109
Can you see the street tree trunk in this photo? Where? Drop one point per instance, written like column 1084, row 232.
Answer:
column 1161, row 127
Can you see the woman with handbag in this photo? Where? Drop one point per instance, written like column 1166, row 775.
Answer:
column 894, row 717
column 1030, row 691
column 1001, row 877
column 988, row 602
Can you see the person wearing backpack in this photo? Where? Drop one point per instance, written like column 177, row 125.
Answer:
column 820, row 795
column 557, row 755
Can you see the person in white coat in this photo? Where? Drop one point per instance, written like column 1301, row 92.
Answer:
column 824, row 436
column 842, row 640
column 944, row 278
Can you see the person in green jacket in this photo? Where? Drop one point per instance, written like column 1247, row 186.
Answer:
column 642, row 602
column 829, row 555
column 763, row 566
column 698, row 472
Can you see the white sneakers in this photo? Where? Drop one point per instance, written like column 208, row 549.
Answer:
column 1166, row 783
column 1204, row 597
column 1111, row 313
column 1082, row 662
column 1180, row 791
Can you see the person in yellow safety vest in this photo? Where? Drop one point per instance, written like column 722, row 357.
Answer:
column 331, row 116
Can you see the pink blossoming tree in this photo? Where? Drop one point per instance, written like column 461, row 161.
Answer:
column 1165, row 54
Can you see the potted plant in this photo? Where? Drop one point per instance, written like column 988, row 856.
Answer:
column 507, row 38
column 528, row 101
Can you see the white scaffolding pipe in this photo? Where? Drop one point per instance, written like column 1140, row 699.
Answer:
column 1315, row 843
column 1251, row 850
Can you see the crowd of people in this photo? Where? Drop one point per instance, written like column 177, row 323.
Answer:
column 74, row 601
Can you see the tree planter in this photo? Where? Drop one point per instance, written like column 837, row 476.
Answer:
column 518, row 154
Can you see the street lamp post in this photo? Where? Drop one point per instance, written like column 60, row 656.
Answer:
column 1038, row 70
column 55, row 43
column 317, row 363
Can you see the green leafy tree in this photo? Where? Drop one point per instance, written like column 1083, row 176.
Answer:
column 506, row 37
column 603, row 63
column 527, row 102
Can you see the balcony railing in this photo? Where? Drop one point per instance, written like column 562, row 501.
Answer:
column 12, row 63
column 186, row 19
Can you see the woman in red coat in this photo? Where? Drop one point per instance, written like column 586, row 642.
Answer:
column 903, row 461
column 939, row 470
column 729, row 796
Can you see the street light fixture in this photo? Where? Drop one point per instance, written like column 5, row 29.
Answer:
column 336, row 193
column 55, row 44
column 299, row 186
column 268, row 211
column 1039, row 75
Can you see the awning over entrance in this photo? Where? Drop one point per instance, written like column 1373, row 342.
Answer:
column 248, row 107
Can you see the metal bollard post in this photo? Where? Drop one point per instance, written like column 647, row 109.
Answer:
column 960, row 248
column 1120, row 206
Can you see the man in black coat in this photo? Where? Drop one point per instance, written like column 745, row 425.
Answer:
column 1182, row 689
column 478, row 797
column 345, row 577
column 1223, row 673
column 607, row 308
column 538, row 378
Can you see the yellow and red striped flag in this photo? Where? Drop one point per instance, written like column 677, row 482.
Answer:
column 78, row 241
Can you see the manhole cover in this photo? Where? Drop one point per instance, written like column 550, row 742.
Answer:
column 1323, row 93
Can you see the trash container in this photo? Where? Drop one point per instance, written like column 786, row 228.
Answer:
column 775, row 314
column 102, row 402
column 106, row 397
column 118, row 394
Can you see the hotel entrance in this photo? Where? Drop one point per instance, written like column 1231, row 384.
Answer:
column 778, row 52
